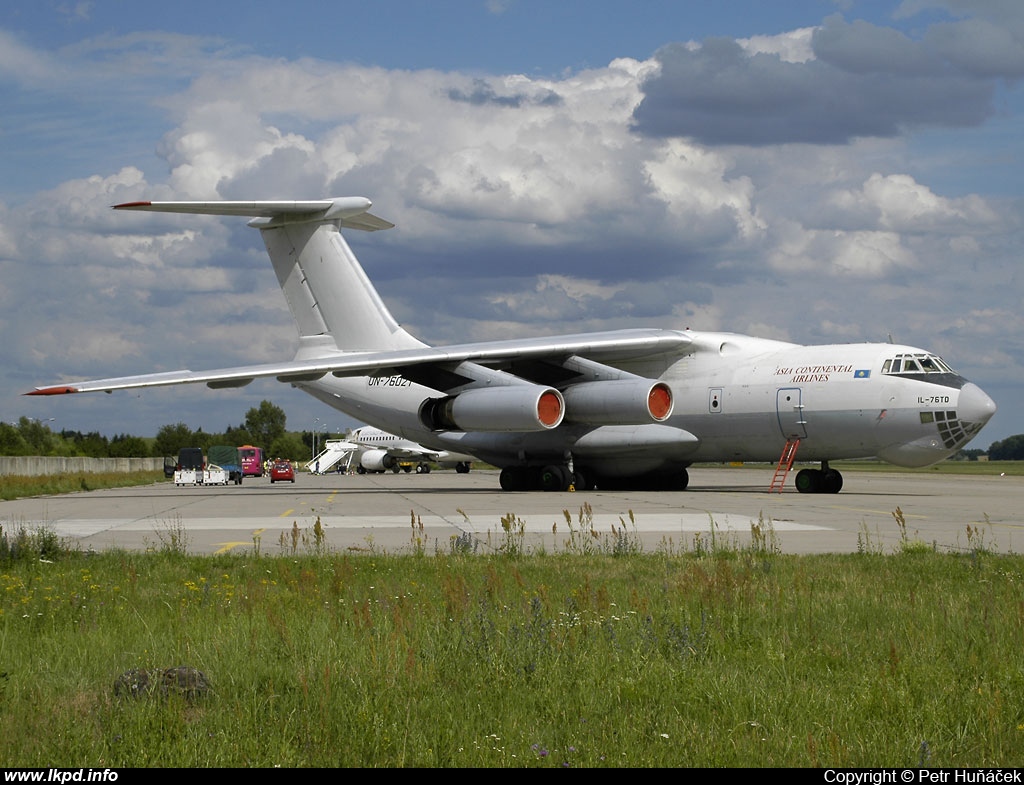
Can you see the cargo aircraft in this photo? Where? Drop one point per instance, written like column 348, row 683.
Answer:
column 618, row 409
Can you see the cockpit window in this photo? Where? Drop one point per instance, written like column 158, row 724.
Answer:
column 915, row 364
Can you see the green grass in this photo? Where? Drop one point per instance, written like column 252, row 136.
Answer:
column 596, row 655
column 20, row 487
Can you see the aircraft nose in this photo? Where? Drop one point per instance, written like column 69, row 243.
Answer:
column 975, row 406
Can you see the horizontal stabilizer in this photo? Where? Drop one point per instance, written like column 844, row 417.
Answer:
column 351, row 211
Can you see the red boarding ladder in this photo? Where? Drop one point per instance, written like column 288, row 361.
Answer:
column 785, row 464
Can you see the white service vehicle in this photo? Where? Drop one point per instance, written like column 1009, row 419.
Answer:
column 188, row 477
column 215, row 475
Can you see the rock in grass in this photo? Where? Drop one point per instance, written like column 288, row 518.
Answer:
column 186, row 681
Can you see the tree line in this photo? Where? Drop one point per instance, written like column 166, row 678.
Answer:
column 1008, row 449
column 264, row 426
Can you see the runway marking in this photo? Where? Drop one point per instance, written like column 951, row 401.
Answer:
column 227, row 546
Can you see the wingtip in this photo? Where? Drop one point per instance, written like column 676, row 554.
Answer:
column 131, row 205
column 61, row 390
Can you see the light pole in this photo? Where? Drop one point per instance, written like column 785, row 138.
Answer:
column 42, row 423
column 315, row 421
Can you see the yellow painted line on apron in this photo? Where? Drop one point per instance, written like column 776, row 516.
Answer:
column 227, row 546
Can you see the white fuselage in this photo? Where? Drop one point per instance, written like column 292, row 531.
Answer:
column 406, row 449
column 736, row 398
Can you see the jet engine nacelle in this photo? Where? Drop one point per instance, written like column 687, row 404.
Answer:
column 619, row 402
column 517, row 407
column 376, row 461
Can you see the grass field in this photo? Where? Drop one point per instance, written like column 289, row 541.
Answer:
column 18, row 487
column 724, row 658
column 596, row 656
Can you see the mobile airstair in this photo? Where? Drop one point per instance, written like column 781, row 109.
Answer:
column 336, row 451
column 785, row 464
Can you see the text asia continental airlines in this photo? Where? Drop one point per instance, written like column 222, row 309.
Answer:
column 623, row 408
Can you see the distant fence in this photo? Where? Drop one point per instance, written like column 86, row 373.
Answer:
column 33, row 465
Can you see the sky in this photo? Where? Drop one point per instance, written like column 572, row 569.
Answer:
column 815, row 171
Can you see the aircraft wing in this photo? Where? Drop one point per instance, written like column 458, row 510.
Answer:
column 607, row 346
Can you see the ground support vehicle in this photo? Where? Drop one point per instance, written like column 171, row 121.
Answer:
column 228, row 458
column 188, row 477
column 282, row 471
column 215, row 475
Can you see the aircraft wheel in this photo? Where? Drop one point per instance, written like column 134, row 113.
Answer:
column 554, row 478
column 831, row 481
column 808, row 480
column 462, row 468
column 514, row 478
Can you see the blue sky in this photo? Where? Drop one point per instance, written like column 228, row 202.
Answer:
column 818, row 171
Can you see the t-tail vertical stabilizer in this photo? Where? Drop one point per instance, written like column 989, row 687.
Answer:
column 333, row 302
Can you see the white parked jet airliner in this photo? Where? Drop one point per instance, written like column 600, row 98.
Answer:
column 382, row 450
column 624, row 408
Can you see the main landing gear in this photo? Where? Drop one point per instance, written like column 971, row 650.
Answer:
column 556, row 477
column 823, row 480
column 559, row 477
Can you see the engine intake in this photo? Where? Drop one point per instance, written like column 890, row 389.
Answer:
column 506, row 408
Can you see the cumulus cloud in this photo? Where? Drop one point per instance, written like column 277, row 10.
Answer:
column 863, row 80
column 766, row 185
